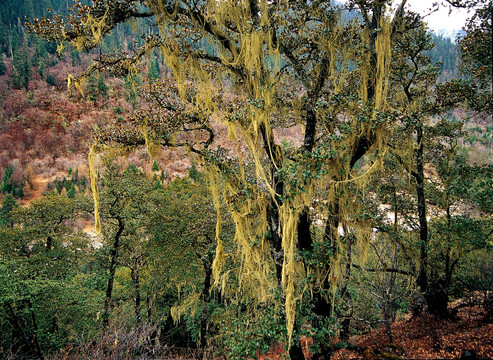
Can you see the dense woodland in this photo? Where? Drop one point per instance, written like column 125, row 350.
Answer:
column 237, row 178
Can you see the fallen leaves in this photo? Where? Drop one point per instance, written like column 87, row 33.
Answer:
column 428, row 338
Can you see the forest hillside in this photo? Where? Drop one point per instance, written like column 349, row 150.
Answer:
column 204, row 179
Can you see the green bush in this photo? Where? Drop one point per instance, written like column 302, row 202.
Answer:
column 118, row 110
column 155, row 166
column 50, row 80
column 249, row 334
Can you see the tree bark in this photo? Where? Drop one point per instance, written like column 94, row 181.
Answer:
column 19, row 338
column 422, row 280
column 273, row 153
column 386, row 318
column 296, row 352
column 35, row 341
column 206, row 298
column 135, row 275
column 435, row 294
column 111, row 276
column 346, row 296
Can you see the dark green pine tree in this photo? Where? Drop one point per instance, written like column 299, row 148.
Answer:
column 155, row 166
column 193, row 173
column 27, row 9
column 91, row 88
column 153, row 71
column 19, row 191
column 72, row 191
column 8, row 204
column 7, row 184
column 22, row 69
column 102, row 87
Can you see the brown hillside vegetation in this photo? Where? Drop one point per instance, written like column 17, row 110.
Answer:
column 50, row 129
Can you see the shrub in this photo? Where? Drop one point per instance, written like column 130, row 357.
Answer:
column 155, row 166
column 118, row 110
column 50, row 80
column 3, row 68
column 120, row 343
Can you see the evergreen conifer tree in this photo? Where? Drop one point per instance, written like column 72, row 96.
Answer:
column 22, row 69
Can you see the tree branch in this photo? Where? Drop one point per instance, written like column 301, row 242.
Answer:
column 389, row 270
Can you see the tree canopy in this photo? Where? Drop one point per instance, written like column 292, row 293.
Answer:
column 358, row 91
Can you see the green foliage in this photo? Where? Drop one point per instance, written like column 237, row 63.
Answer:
column 453, row 240
column 465, row 182
column 7, row 185
column 8, row 204
column 92, row 88
column 41, row 69
column 27, row 8
column 72, row 191
column 70, row 185
column 446, row 55
column 19, row 191
column 193, row 173
column 50, row 80
column 118, row 110
column 155, row 166
column 245, row 336
column 186, row 214
column 481, row 188
column 263, row 73
column 102, row 87
column 153, row 71
column 131, row 83
column 158, row 184
column 475, row 45
column 22, row 69
column 3, row 68
column 75, row 57
column 475, row 273
column 39, row 262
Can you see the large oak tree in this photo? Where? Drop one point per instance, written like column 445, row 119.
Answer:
column 256, row 66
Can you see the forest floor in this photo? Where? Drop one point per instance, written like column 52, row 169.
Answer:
column 428, row 338
column 467, row 336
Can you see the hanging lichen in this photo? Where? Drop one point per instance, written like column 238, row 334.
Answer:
column 190, row 305
column 77, row 82
column 383, row 51
column 148, row 143
column 219, row 260
column 94, row 188
column 332, row 88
